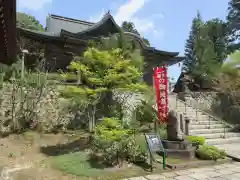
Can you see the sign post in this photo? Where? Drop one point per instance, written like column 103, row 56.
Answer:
column 155, row 145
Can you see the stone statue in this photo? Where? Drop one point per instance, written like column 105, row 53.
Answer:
column 173, row 127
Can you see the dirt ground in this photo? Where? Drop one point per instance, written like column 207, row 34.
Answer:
column 21, row 150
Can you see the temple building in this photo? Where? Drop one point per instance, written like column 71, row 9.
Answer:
column 65, row 38
column 193, row 84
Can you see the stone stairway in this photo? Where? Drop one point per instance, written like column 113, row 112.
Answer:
column 203, row 124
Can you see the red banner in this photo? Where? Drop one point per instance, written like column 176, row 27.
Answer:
column 161, row 87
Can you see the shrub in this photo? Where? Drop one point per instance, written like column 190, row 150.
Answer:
column 145, row 113
column 31, row 103
column 161, row 129
column 110, row 140
column 115, row 144
column 206, row 152
column 145, row 116
column 137, row 149
column 163, row 133
column 198, row 140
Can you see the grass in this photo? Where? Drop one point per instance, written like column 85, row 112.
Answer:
column 172, row 160
column 78, row 164
column 29, row 135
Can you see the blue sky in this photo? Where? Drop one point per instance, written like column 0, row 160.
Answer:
column 166, row 23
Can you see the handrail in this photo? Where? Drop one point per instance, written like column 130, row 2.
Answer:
column 208, row 114
column 204, row 112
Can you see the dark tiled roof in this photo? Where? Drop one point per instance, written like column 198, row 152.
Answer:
column 57, row 23
column 107, row 19
column 71, row 19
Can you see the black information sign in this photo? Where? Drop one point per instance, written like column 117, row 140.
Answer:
column 153, row 142
column 155, row 145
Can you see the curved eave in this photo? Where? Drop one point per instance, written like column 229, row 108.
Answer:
column 67, row 34
column 148, row 49
column 36, row 35
column 156, row 52
column 106, row 21
column 175, row 60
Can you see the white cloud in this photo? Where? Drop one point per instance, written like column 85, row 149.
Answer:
column 33, row 4
column 147, row 25
column 127, row 12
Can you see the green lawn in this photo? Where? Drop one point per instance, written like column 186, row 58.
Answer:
column 78, row 164
column 75, row 164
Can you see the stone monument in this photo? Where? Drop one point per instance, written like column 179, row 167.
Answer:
column 173, row 127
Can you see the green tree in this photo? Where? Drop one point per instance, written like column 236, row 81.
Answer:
column 233, row 20
column 129, row 48
column 206, row 63
column 206, row 48
column 130, row 27
column 102, row 74
column 34, row 48
column 190, row 52
column 228, row 81
column 29, row 22
column 216, row 30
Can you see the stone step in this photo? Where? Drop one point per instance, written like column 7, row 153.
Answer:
column 200, row 118
column 208, row 131
column 193, row 113
column 188, row 109
column 219, row 135
column 204, row 126
column 204, row 122
column 223, row 141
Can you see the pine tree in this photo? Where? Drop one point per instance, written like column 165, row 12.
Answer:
column 190, row 51
column 206, row 58
column 102, row 73
column 206, row 48
column 233, row 22
column 130, row 27
column 216, row 30
column 28, row 22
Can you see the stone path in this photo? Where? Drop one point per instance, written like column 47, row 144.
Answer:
column 231, row 149
column 216, row 172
